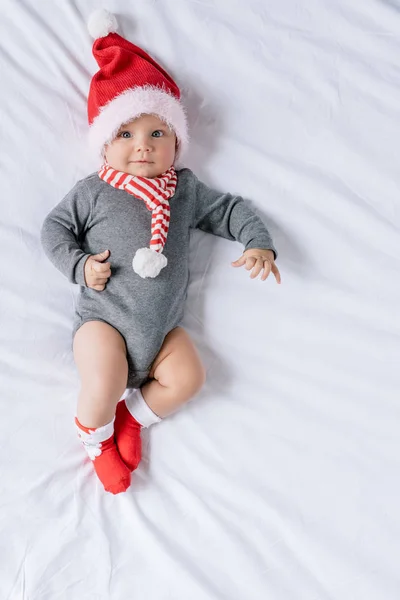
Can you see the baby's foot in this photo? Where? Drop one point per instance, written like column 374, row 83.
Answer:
column 100, row 445
column 127, row 436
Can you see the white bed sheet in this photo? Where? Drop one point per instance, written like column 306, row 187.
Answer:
column 281, row 480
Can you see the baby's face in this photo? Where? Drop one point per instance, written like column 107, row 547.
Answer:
column 145, row 147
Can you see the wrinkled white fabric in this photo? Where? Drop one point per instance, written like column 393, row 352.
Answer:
column 281, row 478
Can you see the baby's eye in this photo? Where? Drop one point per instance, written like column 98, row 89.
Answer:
column 157, row 133
column 125, row 134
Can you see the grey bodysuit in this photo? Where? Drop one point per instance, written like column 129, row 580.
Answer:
column 94, row 217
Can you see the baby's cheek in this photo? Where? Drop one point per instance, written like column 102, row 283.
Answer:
column 108, row 152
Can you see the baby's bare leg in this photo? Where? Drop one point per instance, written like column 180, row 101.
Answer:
column 178, row 374
column 100, row 355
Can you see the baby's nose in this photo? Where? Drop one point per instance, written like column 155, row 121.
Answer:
column 143, row 144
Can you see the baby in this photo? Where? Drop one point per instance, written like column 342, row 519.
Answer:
column 122, row 234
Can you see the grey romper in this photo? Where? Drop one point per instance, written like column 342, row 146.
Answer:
column 94, row 216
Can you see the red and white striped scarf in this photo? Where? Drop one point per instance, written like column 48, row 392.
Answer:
column 154, row 192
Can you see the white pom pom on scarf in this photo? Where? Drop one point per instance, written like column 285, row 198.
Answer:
column 148, row 262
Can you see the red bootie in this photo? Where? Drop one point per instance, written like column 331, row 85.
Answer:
column 100, row 445
column 127, row 436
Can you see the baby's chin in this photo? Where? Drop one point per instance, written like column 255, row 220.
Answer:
column 143, row 170
column 150, row 170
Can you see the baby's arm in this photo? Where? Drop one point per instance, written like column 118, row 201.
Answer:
column 61, row 231
column 231, row 217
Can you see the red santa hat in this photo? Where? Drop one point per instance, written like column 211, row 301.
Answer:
column 129, row 83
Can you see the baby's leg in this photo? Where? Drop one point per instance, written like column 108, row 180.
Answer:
column 178, row 375
column 100, row 355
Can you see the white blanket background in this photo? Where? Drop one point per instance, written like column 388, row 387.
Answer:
column 280, row 481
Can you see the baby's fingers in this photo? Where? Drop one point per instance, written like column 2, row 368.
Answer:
column 257, row 268
column 100, row 280
column 276, row 273
column 250, row 262
column 99, row 267
column 267, row 270
column 103, row 275
column 239, row 262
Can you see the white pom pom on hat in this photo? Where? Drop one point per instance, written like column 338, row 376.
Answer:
column 101, row 23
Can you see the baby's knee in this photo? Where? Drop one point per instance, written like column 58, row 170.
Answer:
column 200, row 377
column 101, row 388
column 191, row 379
column 98, row 399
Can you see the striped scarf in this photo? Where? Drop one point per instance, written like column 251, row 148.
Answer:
column 154, row 192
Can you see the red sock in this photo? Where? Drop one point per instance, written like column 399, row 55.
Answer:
column 100, row 445
column 127, row 436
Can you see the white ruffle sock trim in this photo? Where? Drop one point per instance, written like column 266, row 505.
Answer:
column 140, row 410
column 92, row 440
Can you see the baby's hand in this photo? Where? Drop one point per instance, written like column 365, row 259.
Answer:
column 259, row 259
column 97, row 272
